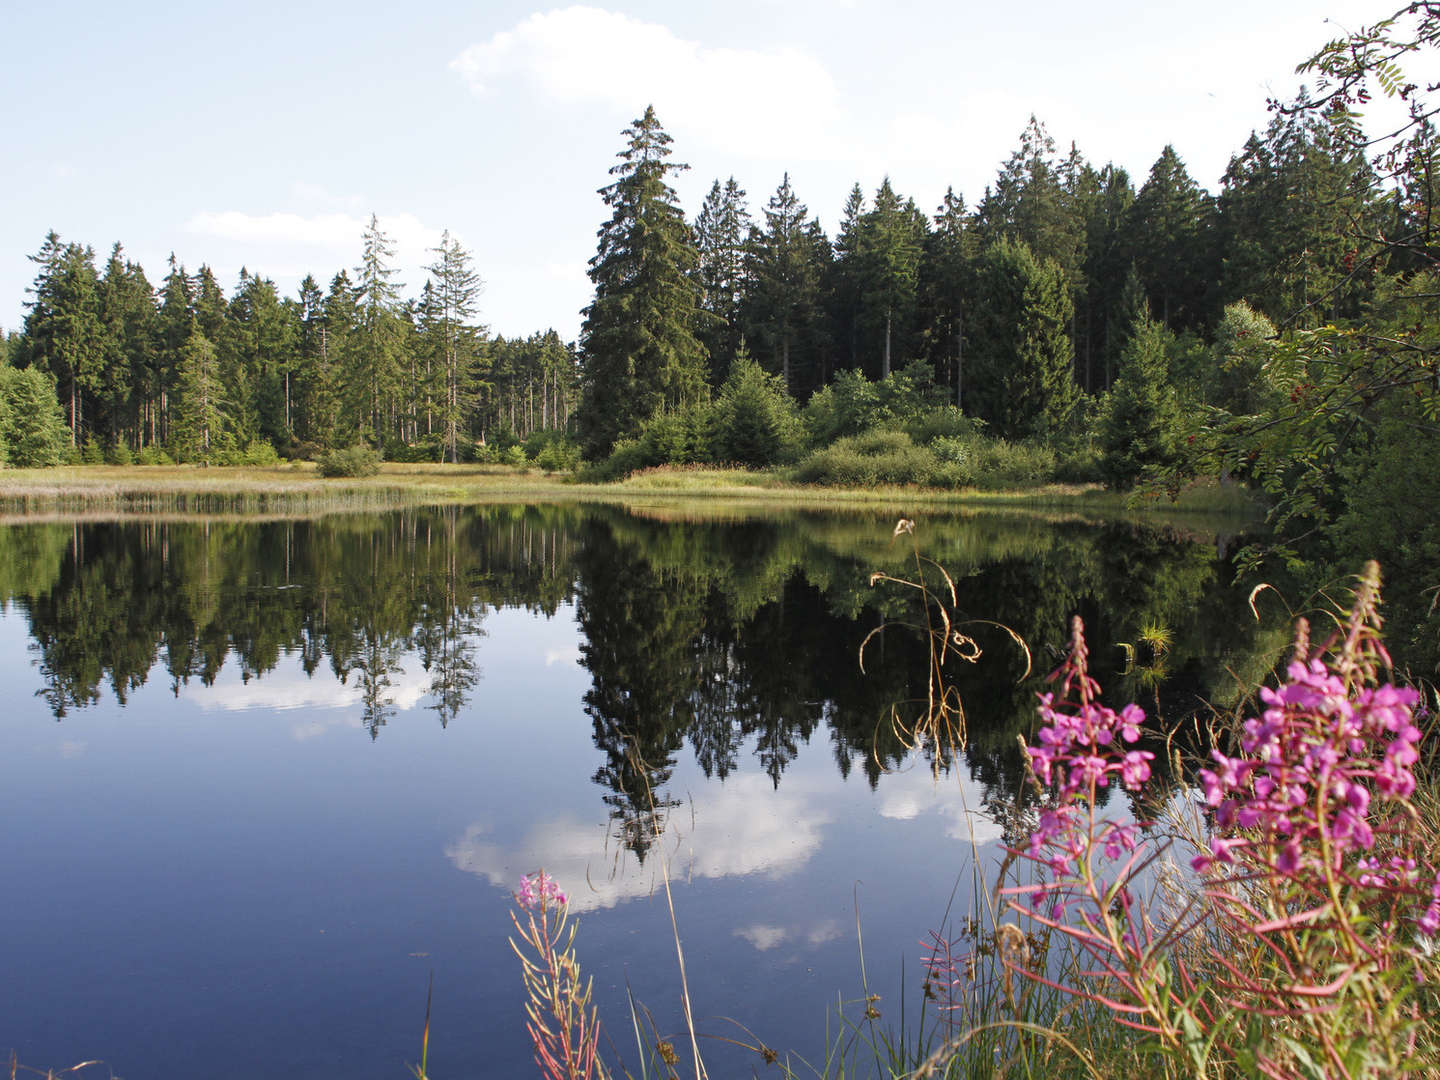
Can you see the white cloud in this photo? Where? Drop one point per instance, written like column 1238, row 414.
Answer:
column 745, row 827
column 907, row 795
column 568, row 655
column 762, row 937
column 766, row 937
column 327, row 701
column 781, row 102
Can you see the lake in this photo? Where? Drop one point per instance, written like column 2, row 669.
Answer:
column 262, row 778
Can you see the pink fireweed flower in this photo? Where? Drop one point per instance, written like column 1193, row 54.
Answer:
column 540, row 888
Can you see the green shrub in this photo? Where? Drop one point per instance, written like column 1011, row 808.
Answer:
column 515, row 455
column 559, row 457
column 34, row 425
column 1000, row 463
column 154, row 454
column 93, row 454
column 355, row 461
column 120, row 454
column 260, row 452
column 754, row 421
column 944, row 422
column 876, row 457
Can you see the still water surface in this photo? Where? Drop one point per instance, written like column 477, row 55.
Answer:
column 263, row 778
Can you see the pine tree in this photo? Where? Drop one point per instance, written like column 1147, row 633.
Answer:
column 847, row 278
column 1171, row 226
column 33, row 430
column 721, row 230
column 336, row 423
column 63, row 329
column 638, row 343
column 946, row 279
column 785, row 266
column 453, row 307
column 128, row 317
column 891, row 239
column 1023, row 382
column 1141, row 428
column 198, row 416
column 378, row 333
column 176, row 320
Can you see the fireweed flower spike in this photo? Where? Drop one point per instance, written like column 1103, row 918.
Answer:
column 1301, row 951
column 563, row 1025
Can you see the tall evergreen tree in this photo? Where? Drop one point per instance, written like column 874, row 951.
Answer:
column 1171, row 226
column 198, row 415
column 62, row 328
column 785, row 265
column 1023, row 383
column 1142, row 423
column 378, row 333
column 455, row 295
column 638, row 343
column 847, row 279
column 946, row 279
column 892, row 238
column 176, row 319
column 721, row 230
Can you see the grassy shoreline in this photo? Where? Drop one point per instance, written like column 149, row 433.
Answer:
column 297, row 488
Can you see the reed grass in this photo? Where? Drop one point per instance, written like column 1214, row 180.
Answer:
column 297, row 488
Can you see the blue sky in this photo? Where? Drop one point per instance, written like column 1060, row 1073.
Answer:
column 265, row 134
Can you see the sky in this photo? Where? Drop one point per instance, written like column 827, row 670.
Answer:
column 264, row 135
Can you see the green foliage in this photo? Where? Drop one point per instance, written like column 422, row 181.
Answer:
column 880, row 457
column 754, row 419
column 640, row 353
column 153, row 454
column 356, row 461
column 1141, row 426
column 120, row 454
column 1021, row 381
column 35, row 432
column 514, row 455
column 1236, row 380
column 553, row 451
column 853, row 404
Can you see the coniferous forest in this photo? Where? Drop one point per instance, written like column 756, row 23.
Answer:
column 1070, row 323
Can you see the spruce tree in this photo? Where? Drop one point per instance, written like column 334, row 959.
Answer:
column 454, row 296
column 892, row 237
column 946, row 276
column 34, row 427
column 1023, row 382
column 198, row 417
column 378, row 334
column 785, row 265
column 1141, row 428
column 721, row 230
column 639, row 351
column 1171, row 225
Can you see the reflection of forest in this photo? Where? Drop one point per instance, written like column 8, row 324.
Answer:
column 725, row 635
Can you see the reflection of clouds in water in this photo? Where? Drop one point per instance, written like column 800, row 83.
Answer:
column 73, row 748
column 765, row 937
column 289, row 688
column 761, row 936
column 906, row 795
column 568, row 655
column 744, row 827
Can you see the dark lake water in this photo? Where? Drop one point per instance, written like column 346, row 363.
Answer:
column 262, row 778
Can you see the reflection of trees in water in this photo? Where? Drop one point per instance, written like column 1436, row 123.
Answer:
column 740, row 639
column 355, row 593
